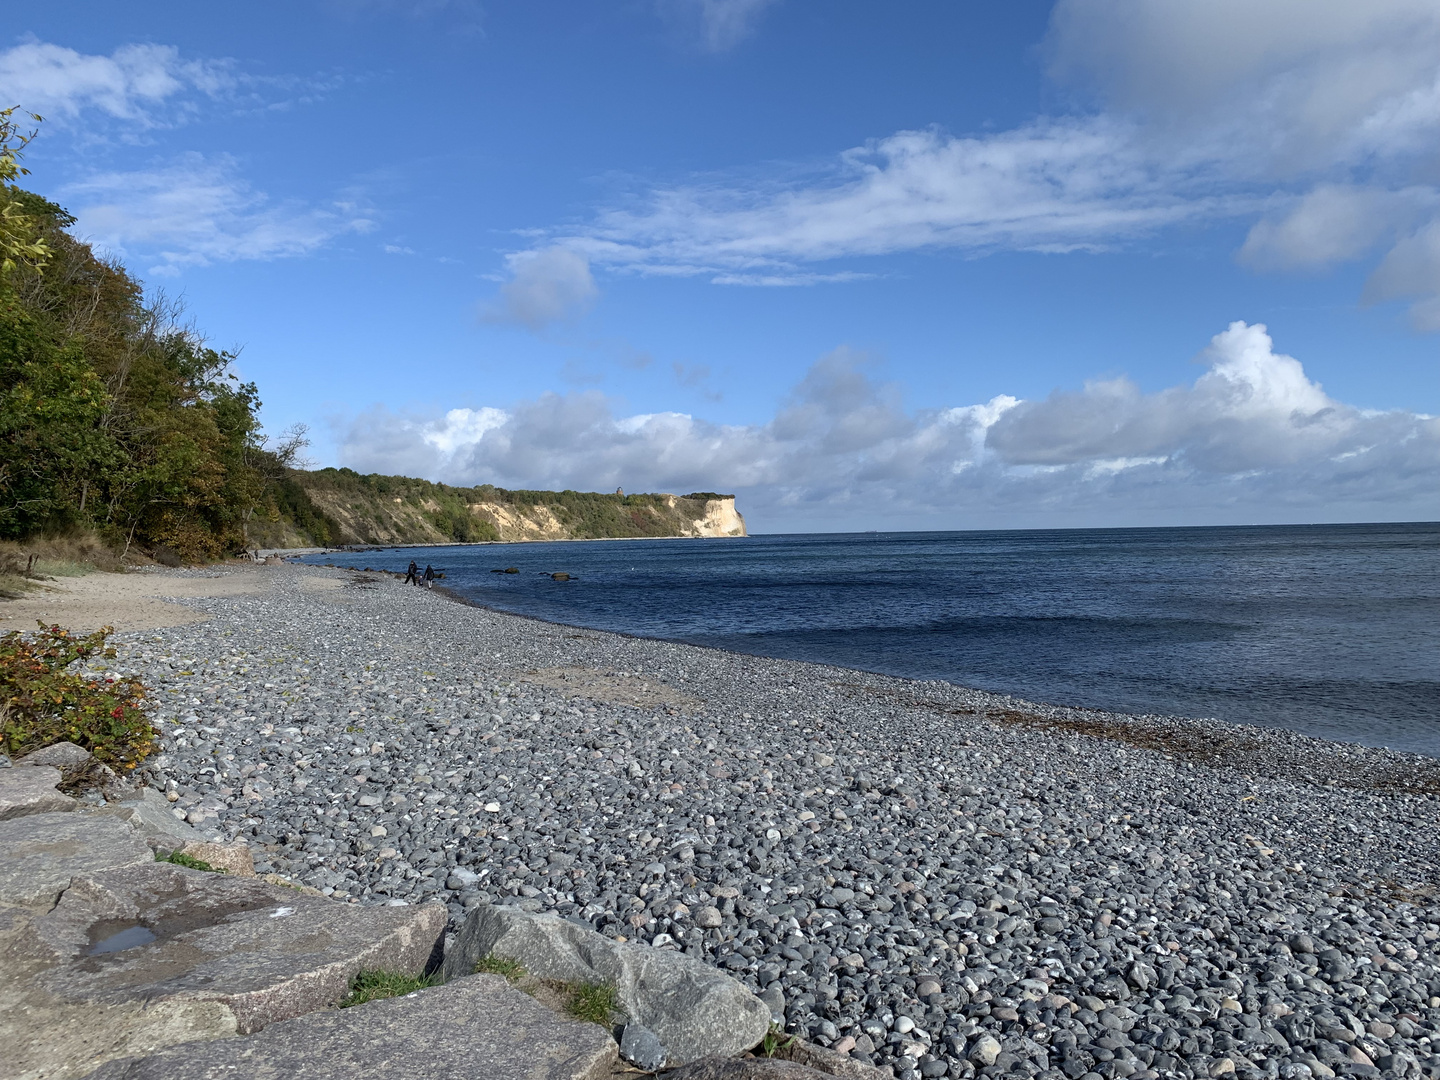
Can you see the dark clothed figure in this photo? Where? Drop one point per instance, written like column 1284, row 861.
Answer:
column 410, row 578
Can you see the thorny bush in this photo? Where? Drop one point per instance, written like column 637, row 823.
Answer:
column 43, row 701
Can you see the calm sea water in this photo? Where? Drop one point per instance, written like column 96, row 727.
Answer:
column 1329, row 630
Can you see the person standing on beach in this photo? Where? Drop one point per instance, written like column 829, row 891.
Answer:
column 410, row 574
column 429, row 576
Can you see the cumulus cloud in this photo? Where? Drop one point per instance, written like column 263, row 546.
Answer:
column 1316, row 119
column 198, row 210
column 134, row 83
column 1251, row 438
column 546, row 286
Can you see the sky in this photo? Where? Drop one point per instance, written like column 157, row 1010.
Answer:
column 933, row 265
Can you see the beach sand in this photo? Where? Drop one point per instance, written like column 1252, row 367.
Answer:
column 136, row 600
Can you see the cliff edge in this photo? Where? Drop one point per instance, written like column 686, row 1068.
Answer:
column 332, row 507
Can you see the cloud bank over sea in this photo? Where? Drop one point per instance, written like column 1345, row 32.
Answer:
column 1252, row 438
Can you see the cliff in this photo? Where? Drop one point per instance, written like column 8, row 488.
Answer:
column 339, row 506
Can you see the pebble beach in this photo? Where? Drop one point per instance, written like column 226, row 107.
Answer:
column 936, row 880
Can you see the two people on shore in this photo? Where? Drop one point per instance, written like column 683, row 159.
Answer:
column 414, row 577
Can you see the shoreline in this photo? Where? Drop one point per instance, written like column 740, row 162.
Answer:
column 356, row 549
column 903, row 869
column 1075, row 713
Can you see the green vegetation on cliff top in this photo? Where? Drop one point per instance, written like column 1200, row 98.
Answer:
column 340, row 506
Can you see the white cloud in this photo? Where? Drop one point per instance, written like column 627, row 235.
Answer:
column 135, row 83
column 1317, row 117
column 546, row 286
column 1051, row 186
column 1412, row 269
column 1253, row 438
column 719, row 24
column 1334, row 223
column 1252, row 409
column 198, row 210
column 1291, row 83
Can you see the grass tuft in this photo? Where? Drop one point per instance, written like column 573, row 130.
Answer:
column 593, row 1003
column 775, row 1040
column 377, row 985
column 500, row 965
column 179, row 858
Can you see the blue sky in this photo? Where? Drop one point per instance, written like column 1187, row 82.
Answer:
column 927, row 265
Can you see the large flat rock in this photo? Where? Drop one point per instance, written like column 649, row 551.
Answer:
column 476, row 1027
column 149, row 814
column 30, row 789
column 696, row 1010
column 137, row 958
column 41, row 853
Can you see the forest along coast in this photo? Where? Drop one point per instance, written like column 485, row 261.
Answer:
column 937, row 880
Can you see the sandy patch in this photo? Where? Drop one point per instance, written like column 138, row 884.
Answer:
column 611, row 687
column 135, row 601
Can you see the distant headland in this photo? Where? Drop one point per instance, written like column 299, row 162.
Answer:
column 334, row 507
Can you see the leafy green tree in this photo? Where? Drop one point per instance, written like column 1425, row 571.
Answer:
column 115, row 415
column 19, row 234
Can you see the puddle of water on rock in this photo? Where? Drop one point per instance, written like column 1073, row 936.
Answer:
column 132, row 937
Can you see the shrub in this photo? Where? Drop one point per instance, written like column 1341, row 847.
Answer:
column 43, row 702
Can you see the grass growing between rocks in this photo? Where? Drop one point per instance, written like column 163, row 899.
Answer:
column 179, row 858
column 592, row 1003
column 775, row 1040
column 512, row 970
column 377, row 985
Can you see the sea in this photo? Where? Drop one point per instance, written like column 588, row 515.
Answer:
column 1330, row 630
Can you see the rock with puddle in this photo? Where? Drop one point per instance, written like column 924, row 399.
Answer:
column 140, row 957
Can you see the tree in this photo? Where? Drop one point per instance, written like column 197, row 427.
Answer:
column 19, row 232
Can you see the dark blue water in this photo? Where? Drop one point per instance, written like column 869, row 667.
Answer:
column 1329, row 630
